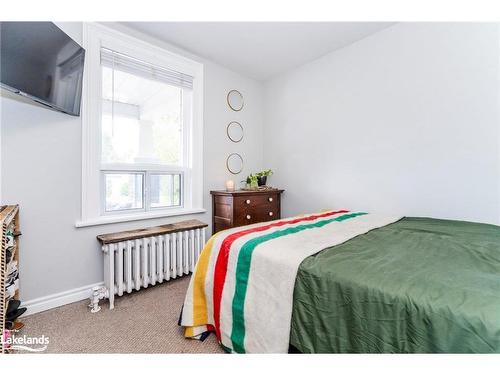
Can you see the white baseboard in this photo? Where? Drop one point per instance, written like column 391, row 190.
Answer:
column 58, row 299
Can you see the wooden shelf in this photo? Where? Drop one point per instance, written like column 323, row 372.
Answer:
column 8, row 213
column 151, row 231
column 9, row 219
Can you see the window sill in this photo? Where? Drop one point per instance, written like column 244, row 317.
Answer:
column 134, row 217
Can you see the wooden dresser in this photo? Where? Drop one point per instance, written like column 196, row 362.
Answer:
column 241, row 207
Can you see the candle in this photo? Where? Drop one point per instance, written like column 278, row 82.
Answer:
column 230, row 185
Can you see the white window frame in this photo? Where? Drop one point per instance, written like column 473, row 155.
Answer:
column 96, row 36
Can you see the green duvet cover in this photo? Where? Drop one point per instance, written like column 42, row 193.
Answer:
column 416, row 286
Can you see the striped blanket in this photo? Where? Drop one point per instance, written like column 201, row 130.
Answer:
column 243, row 284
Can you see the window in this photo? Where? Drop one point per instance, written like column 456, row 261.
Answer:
column 142, row 130
column 145, row 111
column 123, row 191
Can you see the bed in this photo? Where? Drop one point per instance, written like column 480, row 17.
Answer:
column 415, row 286
column 349, row 282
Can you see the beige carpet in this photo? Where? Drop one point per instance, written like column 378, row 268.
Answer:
column 141, row 322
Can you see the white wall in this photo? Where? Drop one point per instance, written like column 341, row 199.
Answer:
column 404, row 121
column 41, row 171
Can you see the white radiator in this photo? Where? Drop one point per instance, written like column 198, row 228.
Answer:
column 134, row 264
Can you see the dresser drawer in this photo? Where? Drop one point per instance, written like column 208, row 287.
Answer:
column 256, row 202
column 255, row 217
column 255, row 209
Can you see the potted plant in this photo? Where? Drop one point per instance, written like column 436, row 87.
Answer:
column 262, row 177
column 252, row 181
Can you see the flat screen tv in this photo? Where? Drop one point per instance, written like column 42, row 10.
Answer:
column 39, row 61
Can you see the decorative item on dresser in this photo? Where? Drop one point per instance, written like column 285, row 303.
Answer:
column 9, row 274
column 241, row 207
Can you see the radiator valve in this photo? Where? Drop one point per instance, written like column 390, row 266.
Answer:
column 98, row 293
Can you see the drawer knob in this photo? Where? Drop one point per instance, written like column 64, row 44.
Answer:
column 270, row 199
column 271, row 213
column 248, row 217
column 247, row 201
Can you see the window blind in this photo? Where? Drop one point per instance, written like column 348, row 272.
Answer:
column 116, row 60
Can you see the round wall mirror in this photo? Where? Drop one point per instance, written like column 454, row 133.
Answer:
column 235, row 100
column 235, row 131
column 234, row 163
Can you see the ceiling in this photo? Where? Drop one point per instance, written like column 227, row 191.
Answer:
column 260, row 50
